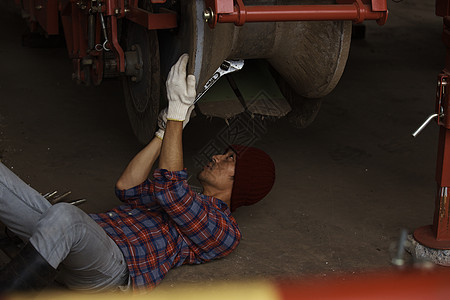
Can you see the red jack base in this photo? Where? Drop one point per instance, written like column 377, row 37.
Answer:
column 426, row 236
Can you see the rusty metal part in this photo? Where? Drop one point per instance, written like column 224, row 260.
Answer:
column 356, row 11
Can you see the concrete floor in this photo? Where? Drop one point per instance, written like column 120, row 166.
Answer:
column 345, row 186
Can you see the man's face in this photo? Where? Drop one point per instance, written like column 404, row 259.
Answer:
column 219, row 171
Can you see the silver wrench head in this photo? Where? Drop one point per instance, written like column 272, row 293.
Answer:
column 228, row 66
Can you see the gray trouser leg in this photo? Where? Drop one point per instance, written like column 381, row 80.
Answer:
column 90, row 259
column 63, row 234
column 21, row 206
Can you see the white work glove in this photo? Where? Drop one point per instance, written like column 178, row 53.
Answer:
column 162, row 121
column 180, row 90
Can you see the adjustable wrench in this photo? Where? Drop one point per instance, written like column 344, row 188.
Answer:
column 228, row 66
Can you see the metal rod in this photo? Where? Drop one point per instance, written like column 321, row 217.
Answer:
column 116, row 45
column 424, row 124
column 50, row 194
column 91, row 31
column 302, row 13
column 60, row 198
column 78, row 202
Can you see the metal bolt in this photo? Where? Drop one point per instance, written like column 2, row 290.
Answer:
column 126, row 10
column 138, row 66
column 117, row 11
column 133, row 78
column 83, row 7
column 38, row 7
column 208, row 15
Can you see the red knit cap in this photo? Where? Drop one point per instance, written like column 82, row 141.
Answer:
column 254, row 176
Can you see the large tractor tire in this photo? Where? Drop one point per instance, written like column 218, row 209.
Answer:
column 142, row 92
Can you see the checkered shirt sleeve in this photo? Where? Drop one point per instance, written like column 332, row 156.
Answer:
column 138, row 196
column 205, row 221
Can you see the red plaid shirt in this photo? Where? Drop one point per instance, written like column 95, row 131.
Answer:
column 164, row 224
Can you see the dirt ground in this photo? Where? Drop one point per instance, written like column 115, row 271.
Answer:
column 346, row 185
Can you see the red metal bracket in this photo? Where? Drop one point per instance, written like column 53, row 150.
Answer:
column 377, row 5
column 221, row 6
column 242, row 16
column 117, row 47
column 150, row 21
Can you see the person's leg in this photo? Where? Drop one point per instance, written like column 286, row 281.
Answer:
column 95, row 262
column 20, row 205
column 88, row 258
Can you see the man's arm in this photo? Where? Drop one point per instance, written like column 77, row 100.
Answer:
column 172, row 149
column 140, row 166
column 181, row 96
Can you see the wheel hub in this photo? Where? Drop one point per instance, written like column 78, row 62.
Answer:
column 134, row 63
